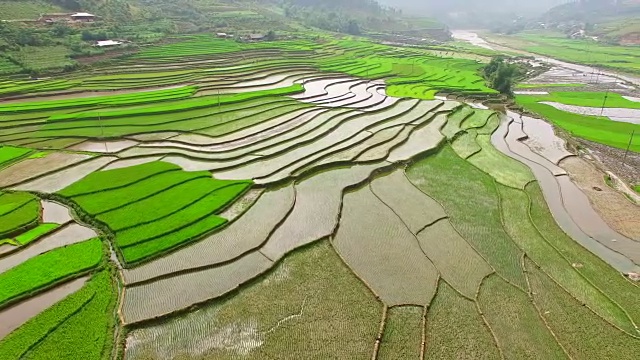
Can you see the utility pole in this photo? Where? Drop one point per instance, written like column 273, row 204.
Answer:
column 624, row 159
column 606, row 95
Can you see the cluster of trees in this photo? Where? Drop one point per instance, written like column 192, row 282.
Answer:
column 501, row 75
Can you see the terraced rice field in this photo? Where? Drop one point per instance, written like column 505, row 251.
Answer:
column 291, row 200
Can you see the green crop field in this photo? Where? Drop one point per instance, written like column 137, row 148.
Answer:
column 315, row 196
column 594, row 128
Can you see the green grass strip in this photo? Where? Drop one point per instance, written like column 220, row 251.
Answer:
column 108, row 100
column 182, row 217
column 116, row 178
column 20, row 218
column 9, row 242
column 108, row 200
column 189, row 104
column 46, row 269
column 12, row 201
column 9, row 154
column 587, row 99
column 17, row 343
column 163, row 244
column 170, row 201
column 87, row 334
column 594, row 128
column 35, row 233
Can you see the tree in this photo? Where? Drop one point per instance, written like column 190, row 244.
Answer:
column 271, row 35
column 501, row 75
column 353, row 28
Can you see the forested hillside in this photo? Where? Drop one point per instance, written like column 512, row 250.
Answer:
column 611, row 20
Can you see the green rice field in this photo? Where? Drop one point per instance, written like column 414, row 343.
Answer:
column 317, row 197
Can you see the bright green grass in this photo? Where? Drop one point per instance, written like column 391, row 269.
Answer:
column 175, row 121
column 180, row 217
column 470, row 198
column 35, row 233
column 455, row 329
column 162, row 244
column 107, row 100
column 78, row 327
column 599, row 273
column 172, row 201
column 154, row 206
column 637, row 188
column 13, row 200
column 107, row 200
column 18, row 213
column 594, row 128
column 16, row 344
column 587, row 99
column 573, row 323
column 114, row 179
column 88, row 334
column 9, row 154
column 210, row 101
column 47, row 269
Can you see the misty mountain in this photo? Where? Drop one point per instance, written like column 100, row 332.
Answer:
column 474, row 13
column 444, row 7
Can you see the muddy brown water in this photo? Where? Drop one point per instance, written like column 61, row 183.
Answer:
column 560, row 207
column 54, row 213
column 16, row 315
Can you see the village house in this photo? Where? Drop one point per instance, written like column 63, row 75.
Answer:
column 66, row 17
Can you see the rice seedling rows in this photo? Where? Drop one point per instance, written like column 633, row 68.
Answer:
column 514, row 205
column 571, row 322
column 518, row 328
column 470, row 199
column 455, row 329
column 245, row 234
column 381, row 250
column 47, row 269
column 402, row 338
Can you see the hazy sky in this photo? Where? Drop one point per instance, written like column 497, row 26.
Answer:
column 430, row 7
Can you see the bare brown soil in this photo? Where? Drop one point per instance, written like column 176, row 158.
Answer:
column 614, row 208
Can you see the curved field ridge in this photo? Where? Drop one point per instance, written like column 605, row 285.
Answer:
column 68, row 235
column 154, row 207
column 74, row 328
column 553, row 188
column 166, row 296
column 43, row 271
column 335, row 316
column 382, row 251
column 416, row 209
column 316, row 211
column 458, row 263
column 456, row 329
column 15, row 316
column 248, row 232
